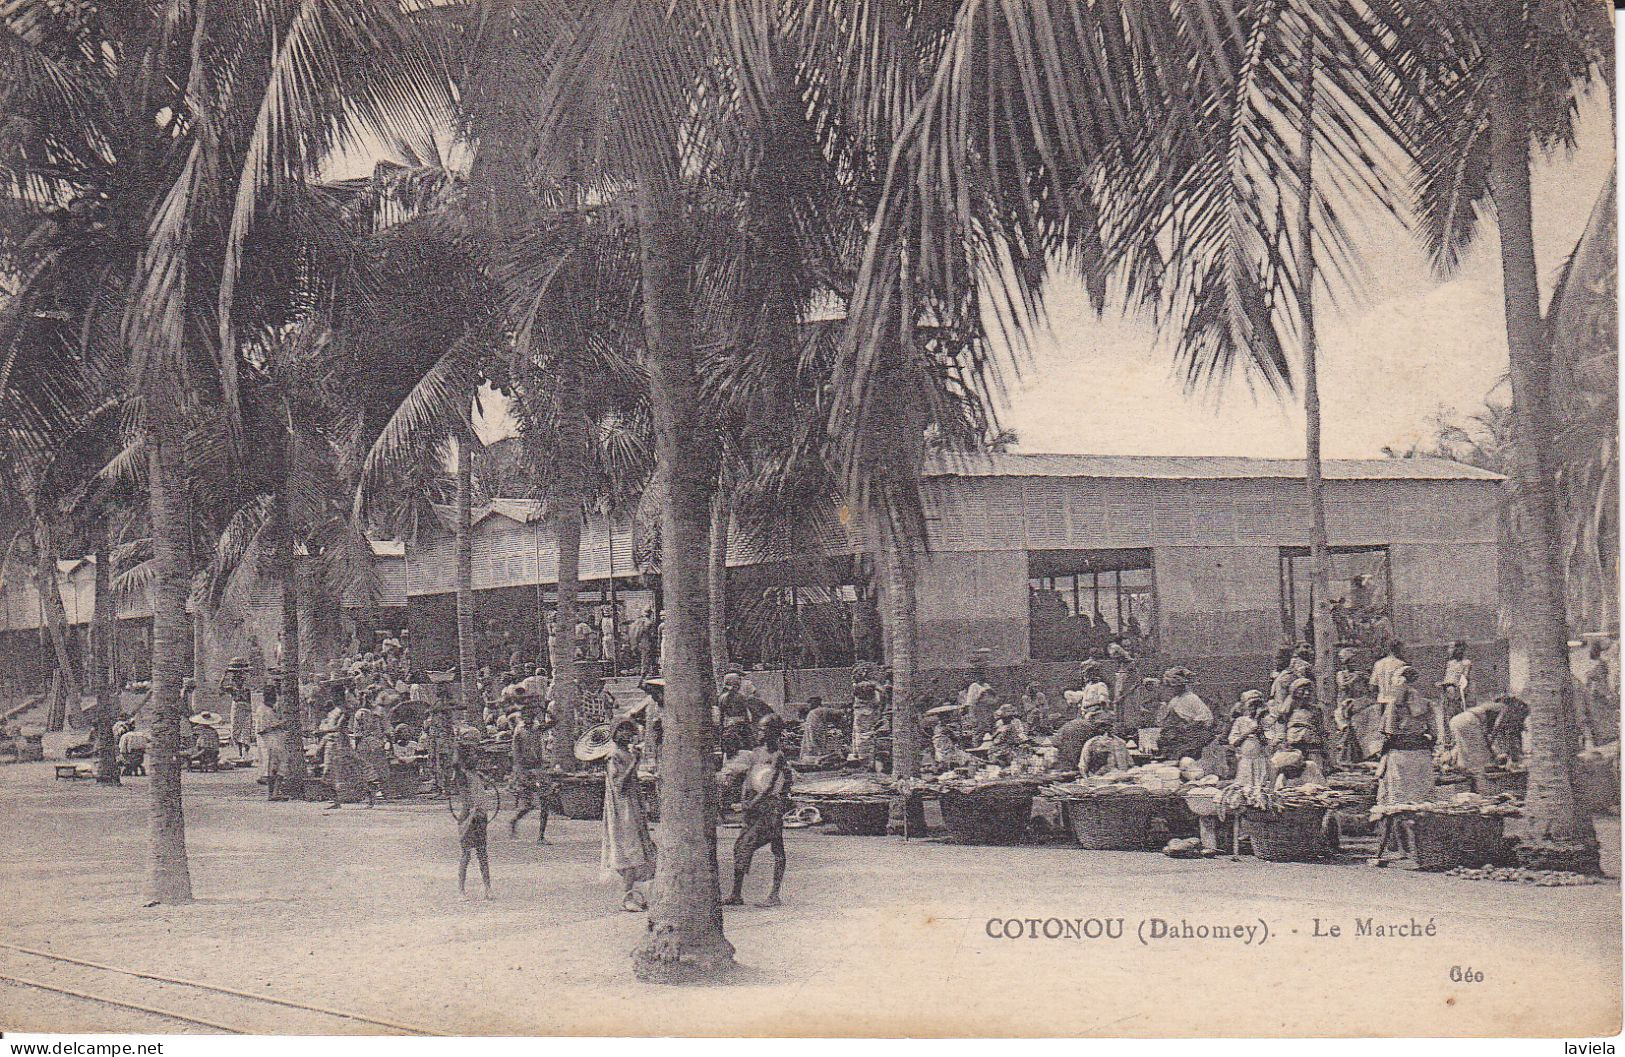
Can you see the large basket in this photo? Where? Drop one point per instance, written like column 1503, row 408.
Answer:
column 1176, row 815
column 1112, row 823
column 987, row 818
column 581, row 796
column 856, row 817
column 1444, row 841
column 1294, row 834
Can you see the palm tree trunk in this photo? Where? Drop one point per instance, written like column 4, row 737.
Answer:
column 1320, row 555
column 55, row 615
column 289, row 709
column 903, row 632
column 290, row 712
column 564, row 516
column 1556, row 833
column 168, row 878
column 467, row 664
column 684, row 940
column 716, row 579
column 103, row 626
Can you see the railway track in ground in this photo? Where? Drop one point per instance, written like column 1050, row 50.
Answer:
column 160, row 998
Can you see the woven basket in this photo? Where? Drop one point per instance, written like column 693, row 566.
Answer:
column 1176, row 815
column 581, row 797
column 987, row 818
column 1292, row 835
column 857, row 817
column 1443, row 841
column 1112, row 823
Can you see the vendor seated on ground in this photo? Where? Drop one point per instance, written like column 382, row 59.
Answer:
column 826, row 730
column 1105, row 752
column 738, row 710
column 1009, row 738
column 1186, row 721
column 1292, row 770
column 132, row 752
column 947, row 749
column 204, row 753
column 1074, row 733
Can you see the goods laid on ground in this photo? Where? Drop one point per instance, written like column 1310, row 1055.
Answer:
column 1520, row 875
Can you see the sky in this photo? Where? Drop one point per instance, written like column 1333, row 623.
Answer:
column 1411, row 345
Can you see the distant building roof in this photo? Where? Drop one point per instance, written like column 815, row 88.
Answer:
column 1197, row 467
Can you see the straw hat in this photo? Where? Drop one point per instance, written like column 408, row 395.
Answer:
column 208, row 719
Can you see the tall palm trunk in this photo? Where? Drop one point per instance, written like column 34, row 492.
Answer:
column 564, row 518
column 1557, row 834
column 55, row 615
column 290, row 712
column 903, row 632
column 684, row 940
column 467, row 663
column 168, row 878
column 1320, row 555
column 716, row 579
column 103, row 626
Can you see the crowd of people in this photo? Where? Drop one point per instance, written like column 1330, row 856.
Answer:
column 378, row 727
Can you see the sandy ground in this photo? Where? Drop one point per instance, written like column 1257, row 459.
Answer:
column 358, row 910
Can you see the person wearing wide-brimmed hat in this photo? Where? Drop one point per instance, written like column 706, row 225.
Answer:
column 205, row 750
column 1186, row 721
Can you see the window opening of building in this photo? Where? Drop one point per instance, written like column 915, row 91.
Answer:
column 1361, row 590
column 1080, row 601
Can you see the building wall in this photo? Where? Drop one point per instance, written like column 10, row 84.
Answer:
column 1213, row 600
column 970, row 601
column 1445, row 591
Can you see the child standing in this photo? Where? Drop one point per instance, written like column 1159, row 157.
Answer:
column 767, row 791
column 473, row 820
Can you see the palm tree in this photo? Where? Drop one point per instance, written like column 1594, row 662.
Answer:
column 137, row 116
column 1479, row 88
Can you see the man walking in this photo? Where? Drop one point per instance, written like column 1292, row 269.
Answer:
column 530, row 788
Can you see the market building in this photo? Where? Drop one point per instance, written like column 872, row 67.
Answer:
column 1039, row 560
column 1032, row 562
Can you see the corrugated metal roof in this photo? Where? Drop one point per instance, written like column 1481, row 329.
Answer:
column 1197, row 467
column 522, row 511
